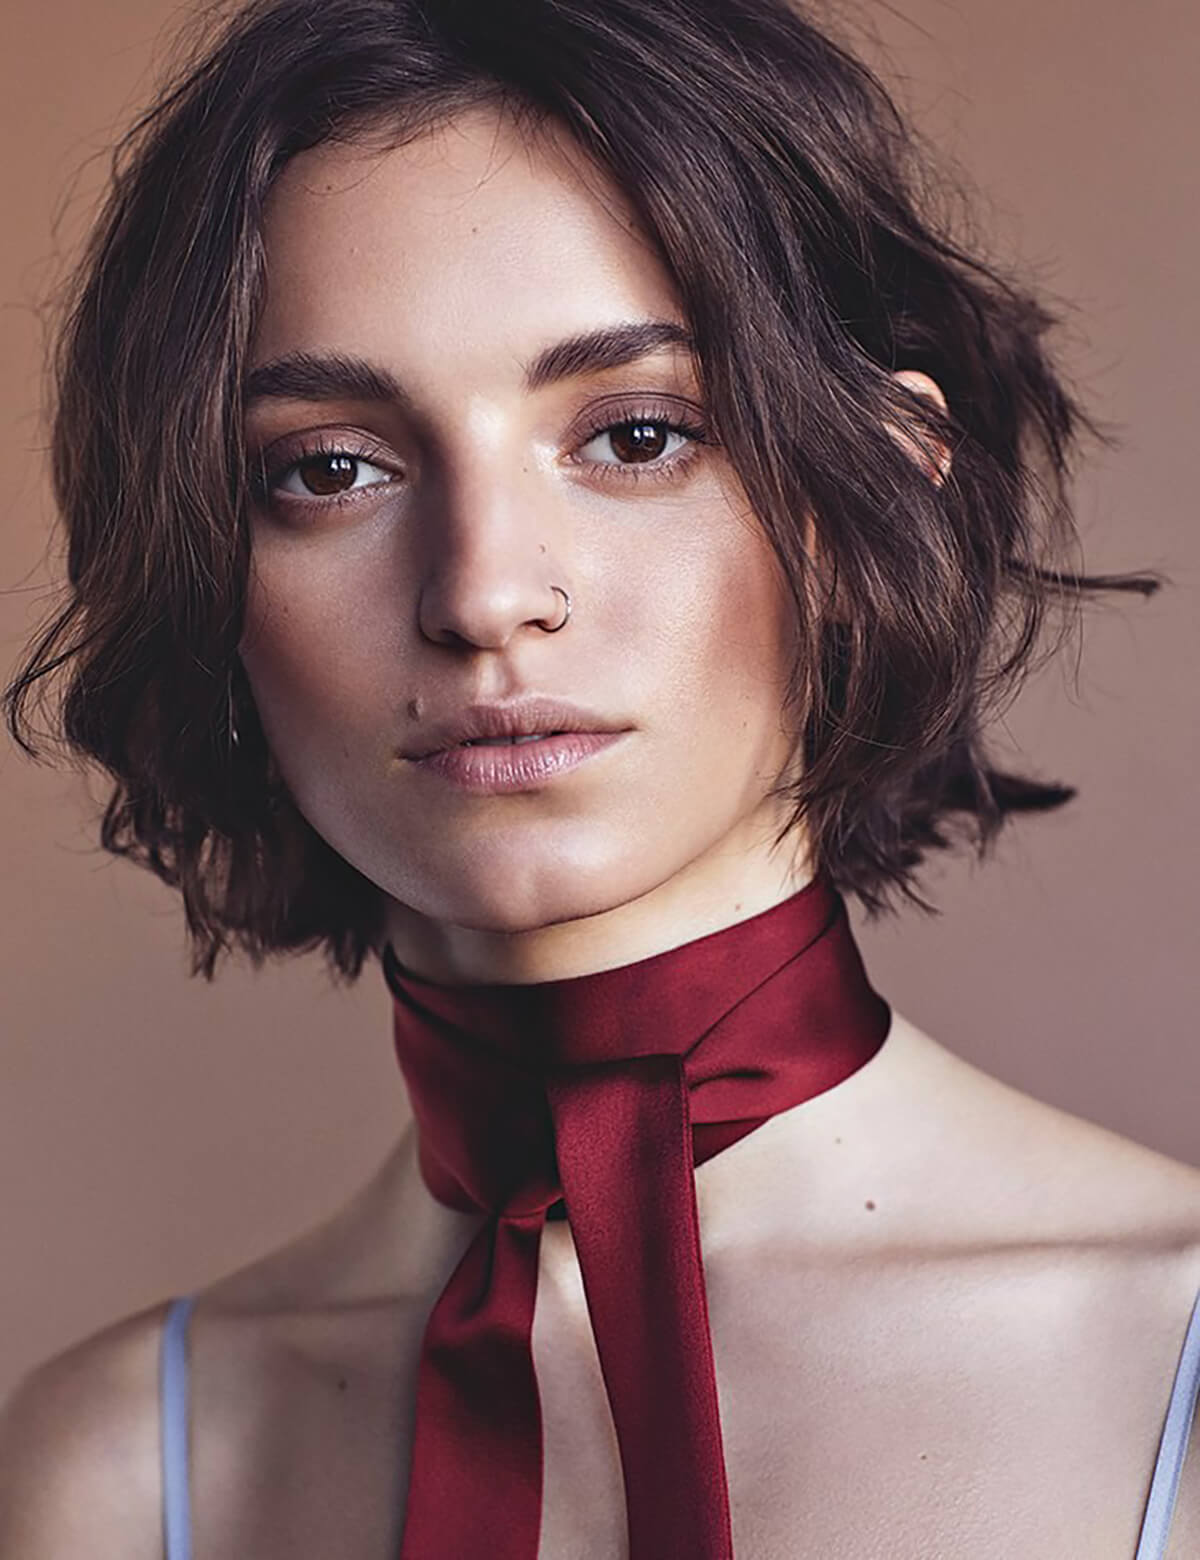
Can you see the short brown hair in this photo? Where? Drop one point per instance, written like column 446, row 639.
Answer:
column 780, row 184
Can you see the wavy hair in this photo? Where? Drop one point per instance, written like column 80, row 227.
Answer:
column 792, row 207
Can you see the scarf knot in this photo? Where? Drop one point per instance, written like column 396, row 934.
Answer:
column 593, row 1097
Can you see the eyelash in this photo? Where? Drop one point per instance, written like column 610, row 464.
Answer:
column 668, row 468
column 268, row 477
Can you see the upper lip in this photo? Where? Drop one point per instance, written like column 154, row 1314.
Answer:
column 518, row 718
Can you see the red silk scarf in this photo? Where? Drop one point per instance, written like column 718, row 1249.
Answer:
column 604, row 1090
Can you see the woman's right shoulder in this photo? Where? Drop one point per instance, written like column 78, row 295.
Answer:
column 80, row 1458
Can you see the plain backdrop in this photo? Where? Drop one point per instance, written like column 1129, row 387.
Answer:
column 156, row 1131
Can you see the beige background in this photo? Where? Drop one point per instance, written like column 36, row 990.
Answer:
column 155, row 1131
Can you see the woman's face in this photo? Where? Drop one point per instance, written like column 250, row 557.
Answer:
column 418, row 511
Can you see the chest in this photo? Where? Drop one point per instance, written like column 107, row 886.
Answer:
column 898, row 1411
column 878, row 1411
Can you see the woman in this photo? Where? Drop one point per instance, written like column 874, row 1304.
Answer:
column 549, row 513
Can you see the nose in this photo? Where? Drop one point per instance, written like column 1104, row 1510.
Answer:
column 490, row 559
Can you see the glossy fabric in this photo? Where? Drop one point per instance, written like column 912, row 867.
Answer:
column 605, row 1090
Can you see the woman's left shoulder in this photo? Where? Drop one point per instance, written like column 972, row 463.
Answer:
column 1022, row 1173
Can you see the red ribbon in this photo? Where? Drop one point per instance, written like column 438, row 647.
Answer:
column 605, row 1090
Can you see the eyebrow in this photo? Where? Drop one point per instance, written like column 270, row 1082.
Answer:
column 333, row 376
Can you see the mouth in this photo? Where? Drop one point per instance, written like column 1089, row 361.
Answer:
column 533, row 736
column 523, row 744
column 524, row 722
column 524, row 761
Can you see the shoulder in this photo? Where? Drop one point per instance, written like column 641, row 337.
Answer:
column 1063, row 1228
column 964, row 1167
column 79, row 1449
column 1033, row 1170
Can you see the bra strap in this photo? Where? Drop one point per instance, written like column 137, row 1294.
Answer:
column 177, row 1517
column 1172, row 1447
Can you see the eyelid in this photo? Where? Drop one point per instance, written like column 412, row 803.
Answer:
column 271, row 464
column 305, row 443
column 684, row 418
column 616, row 411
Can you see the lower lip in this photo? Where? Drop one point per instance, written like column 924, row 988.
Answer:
column 491, row 771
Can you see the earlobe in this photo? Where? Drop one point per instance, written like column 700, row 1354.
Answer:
column 931, row 454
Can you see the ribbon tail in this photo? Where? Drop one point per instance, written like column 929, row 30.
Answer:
column 478, row 1415
column 623, row 1140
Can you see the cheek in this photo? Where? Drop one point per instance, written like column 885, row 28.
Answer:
column 315, row 655
column 732, row 652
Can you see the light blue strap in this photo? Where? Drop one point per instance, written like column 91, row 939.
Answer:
column 1172, row 1448
column 177, row 1516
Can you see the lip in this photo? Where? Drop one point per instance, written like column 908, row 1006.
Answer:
column 566, row 735
column 493, row 771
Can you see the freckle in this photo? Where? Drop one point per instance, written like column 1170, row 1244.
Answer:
column 341, row 1383
column 542, row 548
column 869, row 1204
column 923, row 1456
column 837, row 1140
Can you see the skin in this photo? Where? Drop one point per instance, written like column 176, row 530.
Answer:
column 679, row 627
column 956, row 1338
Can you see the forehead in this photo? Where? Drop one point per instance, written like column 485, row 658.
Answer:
column 480, row 238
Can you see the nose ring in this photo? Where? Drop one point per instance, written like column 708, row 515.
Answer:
column 541, row 622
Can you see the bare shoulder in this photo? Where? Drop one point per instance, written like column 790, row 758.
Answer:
column 965, row 1168
column 1021, row 1166
column 79, row 1450
column 1073, row 1249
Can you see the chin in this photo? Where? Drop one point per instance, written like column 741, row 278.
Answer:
column 536, row 890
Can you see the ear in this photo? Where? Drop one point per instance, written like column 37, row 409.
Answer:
column 929, row 453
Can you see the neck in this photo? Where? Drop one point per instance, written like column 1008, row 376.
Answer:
column 568, row 931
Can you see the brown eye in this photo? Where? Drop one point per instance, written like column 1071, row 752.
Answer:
column 324, row 475
column 327, row 474
column 638, row 441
